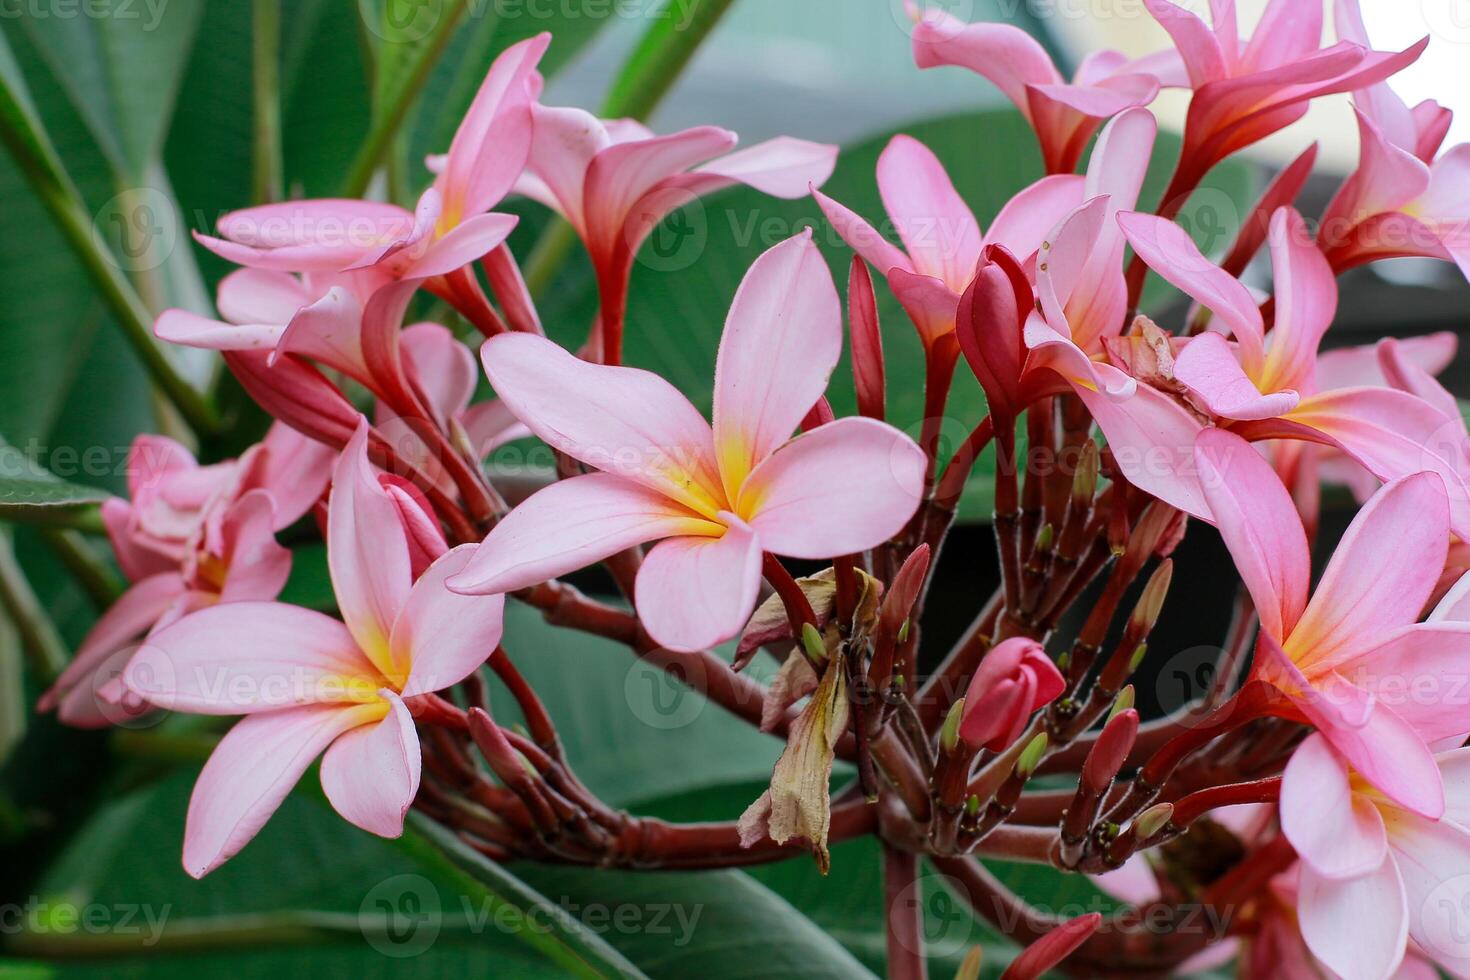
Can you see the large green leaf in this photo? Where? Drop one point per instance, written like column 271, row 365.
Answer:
column 30, row 493
column 687, row 273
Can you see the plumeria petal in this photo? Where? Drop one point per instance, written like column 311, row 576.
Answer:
column 569, row 525
column 257, row 565
column 371, row 773
column 1338, row 833
column 444, row 635
column 367, row 554
column 862, row 237
column 261, row 296
column 250, row 772
column 244, row 657
column 1433, row 858
column 695, row 593
column 1357, row 926
column 936, row 225
column 783, row 167
column 622, row 420
column 1420, row 671
column 1306, row 300
column 782, row 339
column 804, row 502
column 1211, row 370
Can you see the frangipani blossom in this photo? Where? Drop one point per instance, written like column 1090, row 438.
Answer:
column 942, row 240
column 1373, row 874
column 1265, row 386
column 1401, row 200
column 1064, row 115
column 191, row 536
column 720, row 496
column 1247, row 89
column 452, row 224
column 308, row 684
column 614, row 181
column 1347, row 661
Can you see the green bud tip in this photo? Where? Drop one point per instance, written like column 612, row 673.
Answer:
column 1151, row 601
column 972, row 805
column 1044, row 538
column 970, row 967
column 1138, row 654
column 1064, row 662
column 1122, row 702
column 949, row 735
column 1031, row 755
column 1084, row 478
column 903, row 631
column 1152, row 820
column 811, row 639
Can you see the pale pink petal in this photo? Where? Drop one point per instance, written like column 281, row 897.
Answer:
column 1381, row 575
column 130, row 617
column 1026, row 219
column 328, row 331
column 1455, row 605
column 466, row 242
column 1120, row 160
column 192, row 330
column 308, row 236
column 443, row 369
column 1422, row 672
column 490, row 425
column 491, row 145
column 862, row 237
column 1286, row 31
column 1352, row 367
column 1197, row 44
column 782, row 339
column 936, row 225
column 569, row 525
column 695, row 593
column 839, row 489
column 442, row 634
column 563, row 145
column 1209, row 367
column 294, row 469
column 1306, row 300
column 1433, row 858
column 134, row 557
column 1152, row 438
column 1357, row 926
column 1338, row 834
column 1169, row 251
column 101, row 700
column 783, row 167
column 1447, row 196
column 1260, row 526
column 256, row 565
column 371, row 773
column 260, row 296
column 1400, row 371
column 929, row 303
column 367, row 554
column 244, row 657
column 623, row 420
column 1134, row 882
column 1454, row 766
column 250, row 772
column 621, row 174
column 1006, row 55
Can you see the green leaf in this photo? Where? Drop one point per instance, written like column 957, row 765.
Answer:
column 121, row 72
column 676, row 29
column 687, row 273
column 29, row 493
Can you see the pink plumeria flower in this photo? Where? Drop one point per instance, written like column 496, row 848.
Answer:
column 1373, row 874
column 1266, row 387
column 942, row 240
column 309, row 684
column 452, row 224
column 1014, row 680
column 1350, row 660
column 614, row 181
column 720, row 496
column 1063, row 114
column 189, row 537
column 1401, row 200
column 1247, row 89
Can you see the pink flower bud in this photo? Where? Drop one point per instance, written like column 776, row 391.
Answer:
column 297, row 394
column 1110, row 751
column 1013, row 680
column 988, row 323
column 867, row 341
column 1052, row 948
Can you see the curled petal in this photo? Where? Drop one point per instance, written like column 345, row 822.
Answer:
column 695, row 593
column 371, row 773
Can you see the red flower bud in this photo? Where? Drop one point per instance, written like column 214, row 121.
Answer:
column 1013, row 680
column 1052, row 948
column 991, row 316
column 867, row 341
column 1110, row 751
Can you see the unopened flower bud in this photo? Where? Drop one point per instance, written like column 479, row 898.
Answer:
column 867, row 341
column 1044, row 539
column 1151, row 601
column 1084, row 478
column 1052, row 948
column 1110, row 751
column 1031, row 755
column 972, row 805
column 1014, row 679
column 812, row 642
column 1139, row 652
column 1122, row 703
column 949, row 735
column 1152, row 820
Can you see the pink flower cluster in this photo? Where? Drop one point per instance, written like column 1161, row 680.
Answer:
column 1235, row 418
